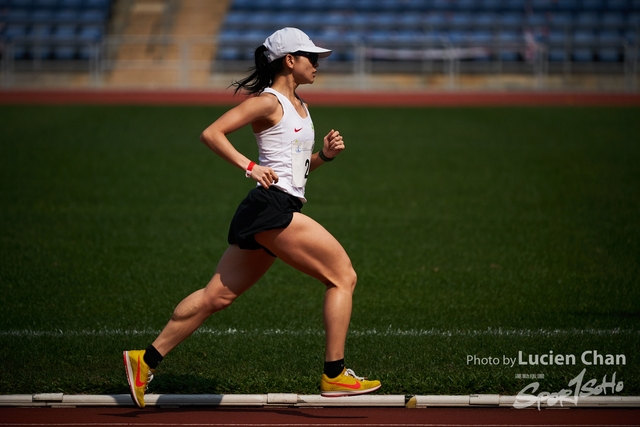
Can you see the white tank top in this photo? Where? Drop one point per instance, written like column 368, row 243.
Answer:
column 287, row 147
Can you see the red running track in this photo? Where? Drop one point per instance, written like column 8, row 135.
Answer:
column 318, row 417
column 345, row 98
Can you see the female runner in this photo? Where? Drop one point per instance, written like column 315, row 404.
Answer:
column 268, row 223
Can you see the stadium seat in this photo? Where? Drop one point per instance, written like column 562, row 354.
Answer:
column 70, row 4
column 608, row 54
column 490, row 5
column 582, row 54
column 584, row 36
column 20, row 4
column 542, row 5
column 65, row 16
column 560, row 19
column 557, row 55
column 536, row 19
column 15, row 31
column 65, row 32
column 17, row 16
column 45, row 4
column 558, row 37
column 461, row 19
column 40, row 31
column 90, row 33
column 567, row 5
column 514, row 5
column 616, row 5
column 593, row 4
column 587, row 19
column 468, row 5
column 97, row 4
column 485, row 20
column 41, row 15
column 612, row 19
column 511, row 19
column 92, row 16
column 64, row 52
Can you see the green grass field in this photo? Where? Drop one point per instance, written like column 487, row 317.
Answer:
column 474, row 231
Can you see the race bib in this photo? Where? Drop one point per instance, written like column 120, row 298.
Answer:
column 301, row 160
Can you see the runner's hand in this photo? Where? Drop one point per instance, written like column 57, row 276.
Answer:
column 264, row 176
column 333, row 144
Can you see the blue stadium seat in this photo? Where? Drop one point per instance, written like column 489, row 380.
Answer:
column 584, row 37
column 64, row 32
column 435, row 19
column 41, row 15
column 485, row 19
column 468, row 5
column 558, row 37
column 593, row 4
column 461, row 19
column 41, row 31
column 410, row 20
column 97, row 4
column 64, row 52
column 514, row 5
column 92, row 16
column 631, row 36
column 20, row 4
column 557, row 55
column 45, row 4
column 536, row 19
column 306, row 6
column 15, row 31
column 542, row 5
column 560, row 19
column 90, row 33
column 616, row 5
column 70, row 4
column 379, row 20
column 587, row 19
column 613, row 19
column 582, row 54
column 441, row 5
column 228, row 53
column 65, row 16
column 455, row 37
column 609, row 36
column 491, row 5
column 567, row 5
column 18, row 16
column 511, row 19
column 480, row 37
column 608, row 54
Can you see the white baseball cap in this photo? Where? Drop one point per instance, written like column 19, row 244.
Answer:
column 290, row 40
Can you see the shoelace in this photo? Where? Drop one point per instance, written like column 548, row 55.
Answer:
column 350, row 373
column 146, row 387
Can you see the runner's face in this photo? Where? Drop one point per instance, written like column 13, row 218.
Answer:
column 306, row 65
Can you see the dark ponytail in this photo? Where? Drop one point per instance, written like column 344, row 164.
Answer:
column 262, row 76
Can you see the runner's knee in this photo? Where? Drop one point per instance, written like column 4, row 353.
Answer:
column 347, row 280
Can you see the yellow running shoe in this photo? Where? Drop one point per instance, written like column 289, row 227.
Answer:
column 139, row 375
column 346, row 384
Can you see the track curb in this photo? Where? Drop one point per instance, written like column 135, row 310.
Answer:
column 296, row 400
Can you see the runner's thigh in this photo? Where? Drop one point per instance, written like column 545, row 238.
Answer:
column 309, row 247
column 237, row 271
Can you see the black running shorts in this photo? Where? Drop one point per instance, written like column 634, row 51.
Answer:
column 261, row 210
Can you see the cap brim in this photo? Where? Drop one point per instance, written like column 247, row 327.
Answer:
column 322, row 52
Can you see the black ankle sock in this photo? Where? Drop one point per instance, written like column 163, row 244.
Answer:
column 333, row 369
column 152, row 357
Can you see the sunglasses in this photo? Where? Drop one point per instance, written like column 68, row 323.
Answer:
column 313, row 57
